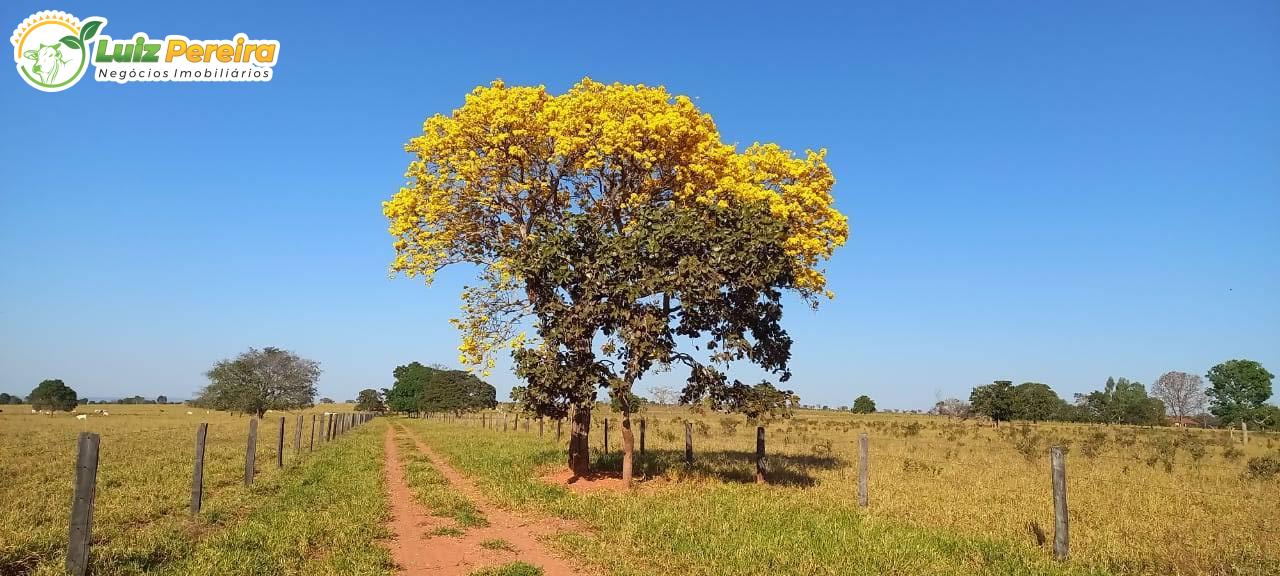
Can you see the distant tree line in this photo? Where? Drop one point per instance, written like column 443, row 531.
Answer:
column 1236, row 396
column 418, row 388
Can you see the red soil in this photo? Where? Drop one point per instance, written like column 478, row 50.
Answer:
column 417, row 552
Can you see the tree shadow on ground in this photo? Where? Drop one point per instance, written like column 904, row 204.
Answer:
column 723, row 465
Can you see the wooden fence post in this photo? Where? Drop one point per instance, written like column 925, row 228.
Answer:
column 280, row 445
column 1061, row 543
column 688, row 443
column 642, row 435
column 297, row 436
column 250, row 450
column 759, row 454
column 82, row 504
column 540, row 421
column 862, row 470
column 606, row 435
column 311, row 440
column 558, row 423
column 526, row 423
column 197, row 474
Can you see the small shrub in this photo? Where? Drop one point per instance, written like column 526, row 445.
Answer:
column 1232, row 454
column 497, row 544
column 729, row 426
column 1263, row 467
column 911, row 465
column 512, row 569
column 822, row 448
column 1093, row 443
column 912, row 429
column 703, row 429
column 446, row 531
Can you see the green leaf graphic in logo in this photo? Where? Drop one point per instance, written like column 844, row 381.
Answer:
column 90, row 30
column 72, row 41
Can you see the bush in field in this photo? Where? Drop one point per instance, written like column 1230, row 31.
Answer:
column 729, row 426
column 1263, row 467
column 864, row 405
column 1093, row 443
column 53, row 395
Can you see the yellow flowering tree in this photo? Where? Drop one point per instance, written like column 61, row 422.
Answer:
column 615, row 218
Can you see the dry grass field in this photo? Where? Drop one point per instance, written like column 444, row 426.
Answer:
column 1142, row 500
column 144, row 482
column 946, row 496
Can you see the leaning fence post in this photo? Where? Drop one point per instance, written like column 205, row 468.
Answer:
column 249, row 453
column 311, row 440
column 1061, row 542
column 297, row 436
column 759, row 454
column 688, row 443
column 280, row 445
column 197, row 474
column 82, row 504
column 642, row 435
column 862, row 470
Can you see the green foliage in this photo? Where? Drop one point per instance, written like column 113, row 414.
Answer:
column 634, row 402
column 261, row 380
column 53, row 395
column 864, row 405
column 510, row 569
column 995, row 400
column 369, row 400
column 1237, row 391
column 419, row 388
column 6, row 398
column 162, row 399
column 326, row 400
column 1037, row 402
column 678, row 273
column 1121, row 402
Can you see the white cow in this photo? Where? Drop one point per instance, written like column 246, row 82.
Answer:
column 48, row 62
column 188, row 412
column 105, row 413
column 82, row 417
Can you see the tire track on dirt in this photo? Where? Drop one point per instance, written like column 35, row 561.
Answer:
column 417, row 552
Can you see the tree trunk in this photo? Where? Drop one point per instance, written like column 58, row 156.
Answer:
column 628, row 447
column 579, row 446
column 1244, row 429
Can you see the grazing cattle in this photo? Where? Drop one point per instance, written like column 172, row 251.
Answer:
column 48, row 62
column 105, row 413
column 82, row 417
column 188, row 412
column 34, row 411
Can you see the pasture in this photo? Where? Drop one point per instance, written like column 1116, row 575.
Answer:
column 945, row 496
column 1142, row 500
column 141, row 521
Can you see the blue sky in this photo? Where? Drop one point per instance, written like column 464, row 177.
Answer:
column 1053, row 192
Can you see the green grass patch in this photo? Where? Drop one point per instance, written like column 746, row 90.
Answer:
column 449, row 531
column 328, row 518
column 497, row 544
column 433, row 491
column 512, row 569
